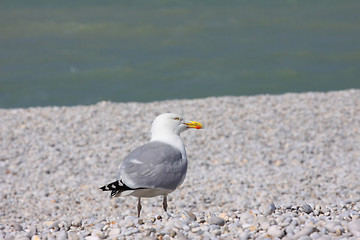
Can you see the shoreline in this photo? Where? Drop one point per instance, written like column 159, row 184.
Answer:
column 179, row 99
column 298, row 151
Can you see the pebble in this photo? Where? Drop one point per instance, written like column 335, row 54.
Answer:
column 354, row 227
column 181, row 236
column 16, row 226
column 216, row 221
column 213, row 227
column 265, row 225
column 216, row 232
column 306, row 231
column 84, row 233
column 62, row 235
column 331, row 226
column 305, row 238
column 196, row 229
column 76, row 222
column 244, row 236
column 22, row 238
column 189, row 215
column 99, row 226
column 314, row 235
column 97, row 233
column 275, row 231
column 131, row 231
column 92, row 238
column 73, row 236
column 307, row 208
column 172, row 233
column 265, row 167
column 272, row 208
column 114, row 232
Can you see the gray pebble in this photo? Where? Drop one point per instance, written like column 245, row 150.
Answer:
column 216, row 221
column 64, row 225
column 315, row 235
column 213, row 227
column 244, row 236
column 21, row 237
column 62, row 235
column 150, row 231
column 265, row 225
column 290, row 230
column 216, row 232
column 267, row 209
column 92, row 238
column 55, row 226
column 205, row 228
column 76, row 222
column 306, row 231
column 196, row 230
column 185, row 227
column 307, row 208
column 16, row 226
column 276, row 231
column 272, row 208
column 354, row 227
column 330, row 226
column 97, row 233
column 344, row 215
column 129, row 224
column 99, row 226
column 189, row 215
column 194, row 224
column 172, row 233
column 354, row 214
column 131, row 231
column 181, row 236
column 114, row 232
column 73, row 236
column 9, row 236
column 325, row 237
column 85, row 233
column 305, row 238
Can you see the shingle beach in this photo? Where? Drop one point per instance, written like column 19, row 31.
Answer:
column 265, row 167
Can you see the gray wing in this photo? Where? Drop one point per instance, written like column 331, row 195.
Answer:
column 154, row 165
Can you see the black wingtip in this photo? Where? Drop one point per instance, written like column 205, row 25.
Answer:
column 116, row 187
column 113, row 193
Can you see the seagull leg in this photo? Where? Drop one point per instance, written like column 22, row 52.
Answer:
column 165, row 203
column 165, row 206
column 139, row 207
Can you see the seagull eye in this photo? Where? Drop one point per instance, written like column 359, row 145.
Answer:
column 177, row 119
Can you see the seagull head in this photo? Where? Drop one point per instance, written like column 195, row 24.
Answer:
column 171, row 123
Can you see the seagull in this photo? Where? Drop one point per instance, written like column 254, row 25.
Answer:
column 157, row 167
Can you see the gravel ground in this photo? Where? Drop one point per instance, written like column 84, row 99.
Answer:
column 269, row 167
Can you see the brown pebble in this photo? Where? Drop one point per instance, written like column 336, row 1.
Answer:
column 172, row 233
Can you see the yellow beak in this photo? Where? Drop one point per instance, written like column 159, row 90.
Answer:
column 192, row 124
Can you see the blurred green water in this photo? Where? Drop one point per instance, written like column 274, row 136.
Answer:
column 81, row 52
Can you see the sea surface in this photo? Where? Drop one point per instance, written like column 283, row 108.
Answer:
column 82, row 52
